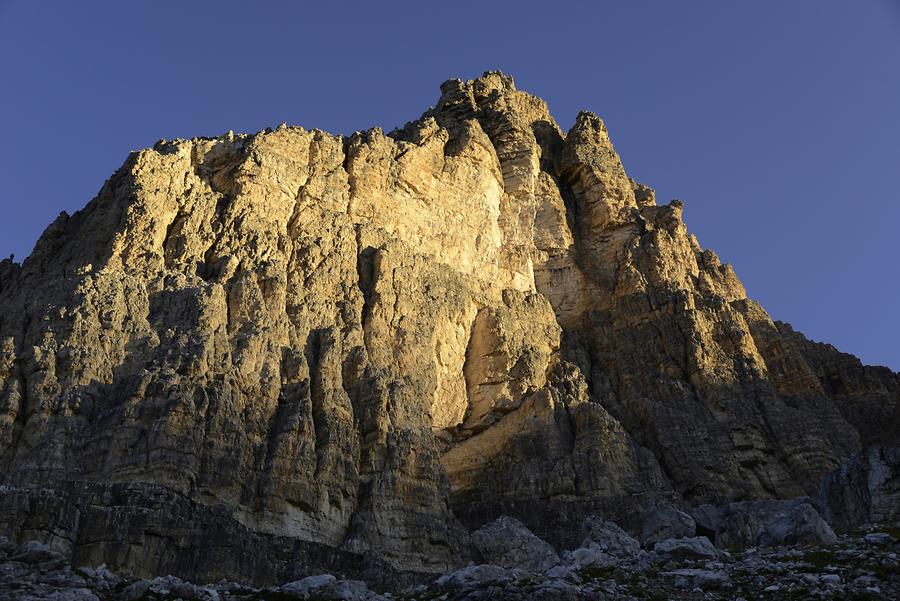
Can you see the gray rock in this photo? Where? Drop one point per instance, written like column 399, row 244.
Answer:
column 507, row 542
column 6, row 546
column 303, row 587
column 100, row 578
column 76, row 594
column 765, row 523
column 696, row 547
column 326, row 586
column 474, row 575
column 171, row 586
column 800, row 524
column 663, row 521
column 349, row 590
column 135, row 591
column 608, row 537
column 564, row 589
column 591, row 555
column 879, row 538
column 864, row 489
column 562, row 572
column 830, row 579
column 34, row 552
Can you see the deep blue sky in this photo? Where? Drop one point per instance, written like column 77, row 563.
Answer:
column 777, row 122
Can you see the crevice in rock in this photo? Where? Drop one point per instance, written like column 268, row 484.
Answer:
column 313, row 353
column 280, row 424
column 222, row 204
column 169, row 241
column 208, row 270
column 365, row 271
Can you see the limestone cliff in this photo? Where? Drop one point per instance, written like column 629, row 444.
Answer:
column 349, row 341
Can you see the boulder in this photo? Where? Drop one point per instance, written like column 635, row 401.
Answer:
column 591, row 555
column 75, row 594
column 474, row 575
column 879, row 539
column 690, row 578
column 306, row 585
column 34, row 552
column 764, row 523
column 507, row 542
column 607, row 537
column 168, row 587
column 662, row 521
column 326, row 586
column 695, row 547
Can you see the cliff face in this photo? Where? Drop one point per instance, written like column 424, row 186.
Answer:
column 345, row 341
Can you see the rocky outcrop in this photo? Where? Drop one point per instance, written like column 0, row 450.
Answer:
column 147, row 530
column 764, row 524
column 608, row 537
column 867, row 396
column 661, row 521
column 506, row 542
column 856, row 567
column 351, row 343
column 865, row 489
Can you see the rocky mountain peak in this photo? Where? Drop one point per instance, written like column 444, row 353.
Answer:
column 364, row 346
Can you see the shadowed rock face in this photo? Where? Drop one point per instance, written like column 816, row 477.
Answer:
column 344, row 341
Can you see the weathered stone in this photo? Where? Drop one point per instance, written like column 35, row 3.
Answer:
column 690, row 578
column 765, row 523
column 662, row 521
column 864, row 489
column 76, row 594
column 474, row 575
column 326, row 586
column 879, row 538
column 609, row 538
column 589, row 555
column 696, row 547
column 850, row 569
column 308, row 584
column 506, row 542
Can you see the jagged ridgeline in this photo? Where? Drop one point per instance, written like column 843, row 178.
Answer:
column 258, row 350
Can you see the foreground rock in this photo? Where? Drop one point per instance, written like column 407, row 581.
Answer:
column 267, row 356
column 765, row 524
column 853, row 568
column 609, row 538
column 506, row 542
column 697, row 548
column 662, row 521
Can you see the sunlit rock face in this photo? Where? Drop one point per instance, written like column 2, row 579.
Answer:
column 345, row 341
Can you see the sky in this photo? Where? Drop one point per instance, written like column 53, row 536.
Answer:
column 777, row 122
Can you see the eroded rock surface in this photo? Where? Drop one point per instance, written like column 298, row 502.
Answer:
column 858, row 566
column 347, row 342
column 508, row 543
column 864, row 489
column 764, row 524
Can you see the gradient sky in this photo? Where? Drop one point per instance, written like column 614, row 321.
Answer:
column 777, row 122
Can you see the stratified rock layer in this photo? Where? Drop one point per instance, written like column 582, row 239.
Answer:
column 345, row 341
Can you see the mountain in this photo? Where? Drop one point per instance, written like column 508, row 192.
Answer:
column 257, row 350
